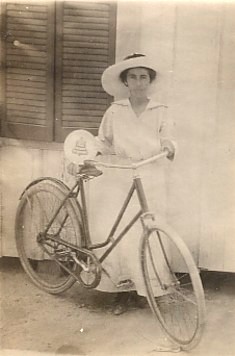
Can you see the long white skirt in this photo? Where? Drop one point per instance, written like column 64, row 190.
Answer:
column 106, row 195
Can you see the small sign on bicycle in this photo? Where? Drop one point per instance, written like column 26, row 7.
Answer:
column 80, row 145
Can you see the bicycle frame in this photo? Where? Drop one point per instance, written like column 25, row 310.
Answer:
column 79, row 189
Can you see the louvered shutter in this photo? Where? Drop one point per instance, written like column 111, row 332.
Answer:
column 85, row 47
column 28, row 68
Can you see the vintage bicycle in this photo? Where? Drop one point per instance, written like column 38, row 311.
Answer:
column 56, row 250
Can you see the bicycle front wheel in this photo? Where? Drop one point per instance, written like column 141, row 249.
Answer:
column 174, row 289
column 44, row 261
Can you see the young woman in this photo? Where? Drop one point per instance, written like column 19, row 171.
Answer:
column 132, row 129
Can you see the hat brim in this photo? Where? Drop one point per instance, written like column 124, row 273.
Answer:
column 111, row 80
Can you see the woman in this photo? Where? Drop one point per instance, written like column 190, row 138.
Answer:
column 132, row 129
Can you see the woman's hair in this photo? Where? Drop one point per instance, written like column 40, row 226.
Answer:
column 123, row 75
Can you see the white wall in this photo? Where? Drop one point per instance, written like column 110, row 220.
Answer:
column 193, row 43
column 21, row 162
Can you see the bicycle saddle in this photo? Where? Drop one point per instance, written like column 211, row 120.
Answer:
column 86, row 169
column 90, row 170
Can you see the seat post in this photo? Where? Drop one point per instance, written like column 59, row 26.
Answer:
column 141, row 194
column 85, row 215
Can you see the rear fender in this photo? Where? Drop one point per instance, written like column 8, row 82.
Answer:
column 54, row 180
column 59, row 183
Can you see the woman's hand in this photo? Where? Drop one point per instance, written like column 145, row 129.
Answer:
column 170, row 146
column 73, row 168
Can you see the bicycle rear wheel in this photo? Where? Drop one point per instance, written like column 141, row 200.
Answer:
column 174, row 289
column 36, row 209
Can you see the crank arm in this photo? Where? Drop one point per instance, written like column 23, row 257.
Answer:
column 60, row 264
column 81, row 264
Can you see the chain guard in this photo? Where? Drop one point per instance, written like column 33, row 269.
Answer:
column 86, row 268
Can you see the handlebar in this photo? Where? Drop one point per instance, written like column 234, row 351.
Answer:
column 94, row 163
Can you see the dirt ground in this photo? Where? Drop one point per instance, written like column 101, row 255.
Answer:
column 81, row 322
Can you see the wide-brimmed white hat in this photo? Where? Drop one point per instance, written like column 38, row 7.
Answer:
column 111, row 80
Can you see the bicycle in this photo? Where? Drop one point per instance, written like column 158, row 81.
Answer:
column 56, row 249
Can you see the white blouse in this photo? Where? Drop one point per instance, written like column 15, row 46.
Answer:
column 125, row 134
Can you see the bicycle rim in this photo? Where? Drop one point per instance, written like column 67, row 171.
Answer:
column 174, row 288
column 36, row 208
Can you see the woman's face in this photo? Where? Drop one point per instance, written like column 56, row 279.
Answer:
column 138, row 81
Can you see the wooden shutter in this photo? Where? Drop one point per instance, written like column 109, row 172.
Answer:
column 28, row 69
column 84, row 48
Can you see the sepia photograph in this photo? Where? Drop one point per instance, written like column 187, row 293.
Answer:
column 117, row 177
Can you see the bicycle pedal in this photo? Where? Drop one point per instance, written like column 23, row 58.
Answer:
column 126, row 283
column 61, row 253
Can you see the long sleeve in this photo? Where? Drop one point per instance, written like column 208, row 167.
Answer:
column 165, row 127
column 166, row 136
column 105, row 134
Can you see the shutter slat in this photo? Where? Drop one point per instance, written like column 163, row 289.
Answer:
column 25, row 83
column 80, row 50
column 28, row 27
column 84, row 57
column 29, row 102
column 83, row 94
column 30, row 34
column 87, row 64
column 16, row 119
column 85, row 38
column 86, row 32
column 22, row 113
column 87, row 5
column 83, row 82
column 28, row 109
column 24, row 89
column 83, row 25
column 88, row 20
column 82, row 106
column 86, row 13
column 27, row 53
column 27, row 7
column 26, row 77
column 86, row 44
column 85, row 88
column 86, row 113
column 24, row 95
column 28, row 65
column 29, row 44
column 25, row 14
column 79, row 119
column 82, row 124
column 73, row 99
column 22, row 71
column 32, row 41
column 80, row 70
column 27, row 58
column 70, row 73
column 26, row 21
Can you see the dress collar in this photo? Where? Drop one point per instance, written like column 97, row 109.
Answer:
column 151, row 104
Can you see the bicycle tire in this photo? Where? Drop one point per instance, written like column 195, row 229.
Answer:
column 173, row 285
column 37, row 206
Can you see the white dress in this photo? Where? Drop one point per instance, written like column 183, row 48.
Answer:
column 124, row 137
